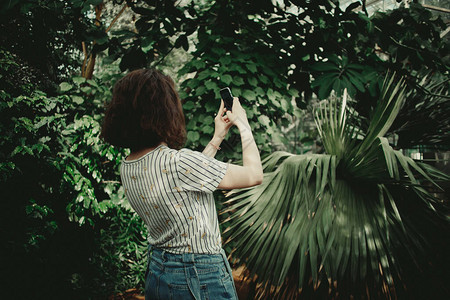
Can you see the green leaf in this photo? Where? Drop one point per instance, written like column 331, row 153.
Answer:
column 188, row 105
column 325, row 67
column 193, row 136
column 208, row 120
column 263, row 78
column 210, row 85
column 252, row 68
column 198, row 64
column 253, row 81
column 264, row 120
column 249, row 95
column 227, row 79
column 86, row 89
column 212, row 106
column 238, row 81
column 147, row 44
column 65, row 86
column 78, row 80
column 225, row 60
column 208, row 129
column 199, row 91
column 205, row 74
column 77, row 99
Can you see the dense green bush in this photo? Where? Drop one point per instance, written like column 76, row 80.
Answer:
column 67, row 228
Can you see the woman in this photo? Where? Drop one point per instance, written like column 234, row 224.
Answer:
column 171, row 188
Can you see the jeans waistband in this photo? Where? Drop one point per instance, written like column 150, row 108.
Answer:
column 163, row 255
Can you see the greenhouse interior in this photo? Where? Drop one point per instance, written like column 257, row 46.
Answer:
column 222, row 149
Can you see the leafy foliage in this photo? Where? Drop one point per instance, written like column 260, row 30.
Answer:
column 340, row 216
column 338, row 74
column 59, row 183
column 425, row 120
column 47, row 34
column 62, row 197
column 234, row 55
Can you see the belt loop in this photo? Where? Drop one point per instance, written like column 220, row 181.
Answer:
column 191, row 274
column 150, row 249
column 163, row 252
column 188, row 258
column 227, row 265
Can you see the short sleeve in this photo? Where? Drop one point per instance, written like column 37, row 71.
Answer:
column 198, row 172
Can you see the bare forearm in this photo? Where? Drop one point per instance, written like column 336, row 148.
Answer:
column 250, row 152
column 212, row 147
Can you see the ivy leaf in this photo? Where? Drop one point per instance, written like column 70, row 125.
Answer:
column 200, row 90
column 188, row 105
column 211, row 106
column 204, row 141
column 253, row 81
column 147, row 44
column 205, row 74
column 208, row 129
column 236, row 92
column 225, row 60
column 227, row 79
column 252, row 68
column 293, row 92
column 211, row 85
column 264, row 79
column 86, row 89
column 264, row 120
column 249, row 95
column 208, row 120
column 79, row 79
column 65, row 86
column 198, row 64
column 284, row 104
column 238, row 81
column 238, row 68
column 193, row 136
column 259, row 91
column 191, row 125
column 77, row 99
column 270, row 94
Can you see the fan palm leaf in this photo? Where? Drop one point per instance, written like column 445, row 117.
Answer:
column 333, row 215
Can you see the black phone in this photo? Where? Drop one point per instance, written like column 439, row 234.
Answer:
column 227, row 98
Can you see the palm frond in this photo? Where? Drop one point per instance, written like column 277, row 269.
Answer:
column 385, row 112
column 335, row 215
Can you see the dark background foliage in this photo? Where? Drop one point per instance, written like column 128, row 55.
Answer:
column 67, row 230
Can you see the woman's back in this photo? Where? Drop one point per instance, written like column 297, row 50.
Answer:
column 172, row 192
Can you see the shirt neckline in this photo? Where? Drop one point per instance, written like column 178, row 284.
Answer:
column 143, row 156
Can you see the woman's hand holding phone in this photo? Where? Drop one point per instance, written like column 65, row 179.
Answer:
column 222, row 122
column 225, row 119
column 238, row 115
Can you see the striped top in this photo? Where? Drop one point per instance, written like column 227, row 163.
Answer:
column 172, row 192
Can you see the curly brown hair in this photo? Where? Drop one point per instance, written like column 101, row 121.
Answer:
column 145, row 110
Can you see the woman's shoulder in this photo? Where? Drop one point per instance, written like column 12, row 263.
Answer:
column 186, row 153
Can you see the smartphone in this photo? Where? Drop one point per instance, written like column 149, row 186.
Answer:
column 227, row 98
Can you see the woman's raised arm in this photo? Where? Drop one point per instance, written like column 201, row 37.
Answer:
column 251, row 173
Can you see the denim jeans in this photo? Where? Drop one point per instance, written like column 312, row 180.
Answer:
column 188, row 276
